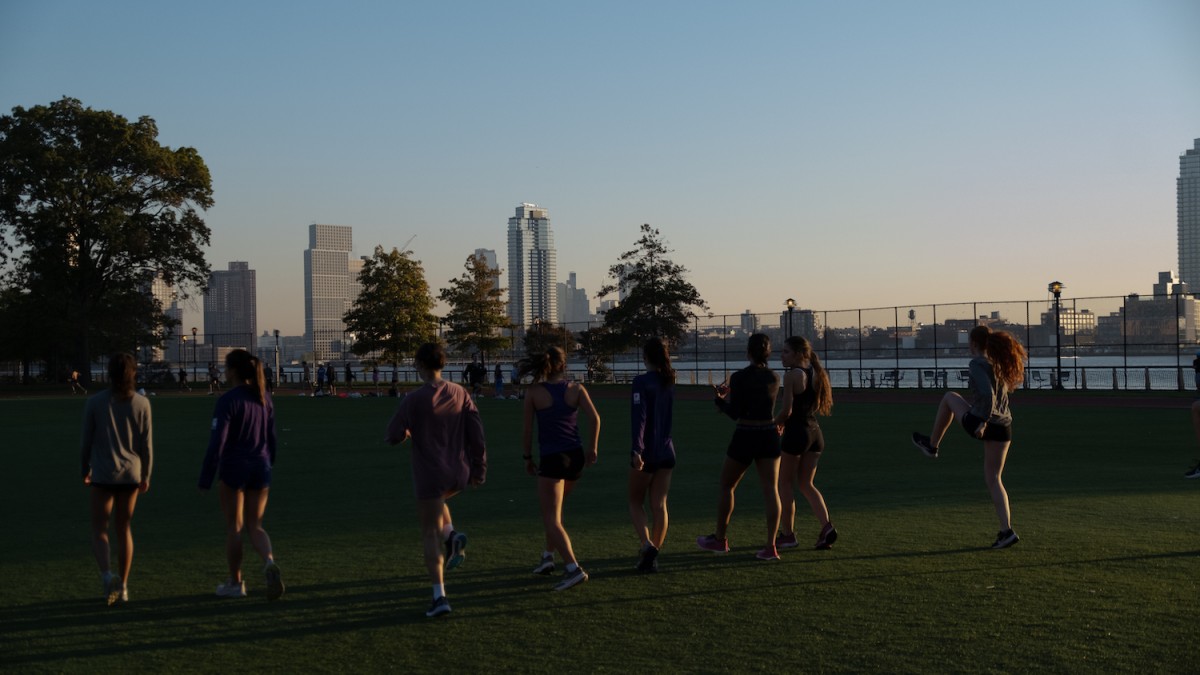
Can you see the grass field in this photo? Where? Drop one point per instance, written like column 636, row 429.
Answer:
column 1103, row 579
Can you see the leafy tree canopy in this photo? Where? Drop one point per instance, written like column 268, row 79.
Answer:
column 659, row 298
column 393, row 314
column 92, row 208
column 476, row 319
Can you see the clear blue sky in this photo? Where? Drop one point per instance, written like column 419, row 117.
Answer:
column 851, row 154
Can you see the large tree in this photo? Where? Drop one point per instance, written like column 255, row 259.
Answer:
column 92, row 208
column 658, row 297
column 476, row 319
column 393, row 314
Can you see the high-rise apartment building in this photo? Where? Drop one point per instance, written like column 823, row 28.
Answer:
column 328, row 288
column 1187, row 201
column 168, row 300
column 489, row 257
column 532, row 267
column 231, row 307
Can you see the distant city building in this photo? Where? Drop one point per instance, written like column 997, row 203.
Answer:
column 168, row 300
column 573, row 304
column 329, row 288
column 804, row 322
column 1169, row 284
column 231, row 307
column 1187, row 200
column 606, row 305
column 749, row 322
column 532, row 266
column 489, row 257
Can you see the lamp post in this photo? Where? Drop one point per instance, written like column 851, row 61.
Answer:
column 791, row 306
column 1056, row 288
column 278, row 375
column 194, row 331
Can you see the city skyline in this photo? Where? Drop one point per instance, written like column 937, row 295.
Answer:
column 850, row 155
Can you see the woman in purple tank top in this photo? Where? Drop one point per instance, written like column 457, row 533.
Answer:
column 555, row 403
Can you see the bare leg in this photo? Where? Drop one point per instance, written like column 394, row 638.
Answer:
column 787, row 498
column 431, row 514
column 768, row 475
column 231, row 506
column 122, row 517
column 808, row 471
column 731, row 475
column 102, row 505
column 952, row 405
column 995, row 452
column 255, row 507
column 551, row 492
column 660, row 485
column 639, row 485
column 1196, row 420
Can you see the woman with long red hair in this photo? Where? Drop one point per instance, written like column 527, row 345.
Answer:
column 997, row 367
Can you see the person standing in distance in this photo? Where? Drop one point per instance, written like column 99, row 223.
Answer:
column 448, row 454
column 117, row 455
column 241, row 453
column 997, row 367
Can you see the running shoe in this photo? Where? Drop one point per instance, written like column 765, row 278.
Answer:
column 274, row 581
column 925, row 445
column 827, row 537
column 124, row 596
column 1005, row 539
column 648, row 562
column 1193, row 472
column 231, row 589
column 439, row 607
column 711, row 543
column 572, row 579
column 456, row 545
column 786, row 540
column 112, row 587
column 768, row 553
column 546, row 566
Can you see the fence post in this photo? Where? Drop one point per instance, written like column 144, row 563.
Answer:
column 1114, row 379
column 1083, row 379
column 1179, row 376
column 1147, row 378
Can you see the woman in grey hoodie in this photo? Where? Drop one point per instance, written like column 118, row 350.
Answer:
column 117, row 454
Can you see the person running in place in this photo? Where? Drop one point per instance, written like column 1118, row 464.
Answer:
column 750, row 400
column 653, row 455
column 997, row 367
column 499, row 380
column 117, row 454
column 555, row 403
column 76, row 386
column 241, row 453
column 448, row 454
column 806, row 394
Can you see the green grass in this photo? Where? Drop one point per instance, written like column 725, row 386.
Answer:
column 1103, row 579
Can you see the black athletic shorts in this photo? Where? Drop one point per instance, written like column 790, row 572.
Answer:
column 751, row 443
column 802, row 438
column 652, row 467
column 562, row 465
column 993, row 432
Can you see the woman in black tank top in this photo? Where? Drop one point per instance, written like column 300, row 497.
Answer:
column 806, row 394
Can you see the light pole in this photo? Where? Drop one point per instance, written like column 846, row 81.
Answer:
column 1056, row 288
column 791, row 306
column 194, row 347
column 278, row 375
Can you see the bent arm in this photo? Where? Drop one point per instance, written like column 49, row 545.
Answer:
column 475, row 442
column 589, row 411
column 216, row 446
column 785, row 407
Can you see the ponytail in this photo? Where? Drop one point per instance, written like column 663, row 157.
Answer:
column 249, row 371
column 543, row 365
column 659, row 358
column 1008, row 358
column 820, row 384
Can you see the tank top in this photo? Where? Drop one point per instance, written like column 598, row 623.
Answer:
column 804, row 403
column 558, row 425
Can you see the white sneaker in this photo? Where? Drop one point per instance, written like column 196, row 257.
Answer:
column 229, row 589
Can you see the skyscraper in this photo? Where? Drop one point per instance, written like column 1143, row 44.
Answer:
column 231, row 307
column 489, row 256
column 327, row 288
column 1187, row 200
column 168, row 299
column 532, row 267
column 573, row 307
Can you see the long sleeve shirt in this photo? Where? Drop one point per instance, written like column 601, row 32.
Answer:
column 448, row 447
column 243, row 433
column 991, row 397
column 752, row 392
column 651, row 417
column 117, row 446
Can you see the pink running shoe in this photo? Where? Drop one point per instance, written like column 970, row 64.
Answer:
column 711, row 543
column 768, row 553
column 786, row 540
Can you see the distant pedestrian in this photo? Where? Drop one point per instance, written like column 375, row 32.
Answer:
column 183, row 384
column 117, row 456
column 307, row 375
column 478, row 373
column 806, row 394
column 997, row 367
column 375, row 378
column 554, row 404
column 499, row 379
column 214, row 379
column 652, row 457
column 270, row 375
column 320, row 380
column 749, row 399
column 331, row 377
column 76, row 386
column 241, row 453
column 448, row 454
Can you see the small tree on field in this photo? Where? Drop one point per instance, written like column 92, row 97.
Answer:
column 393, row 314
column 476, row 319
column 659, row 298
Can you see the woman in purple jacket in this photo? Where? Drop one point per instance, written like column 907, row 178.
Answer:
column 653, row 454
column 241, row 452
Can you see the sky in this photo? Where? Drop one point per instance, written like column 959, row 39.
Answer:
column 847, row 155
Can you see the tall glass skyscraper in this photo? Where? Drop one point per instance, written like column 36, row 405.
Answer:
column 329, row 289
column 231, row 307
column 1187, row 200
column 532, row 267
